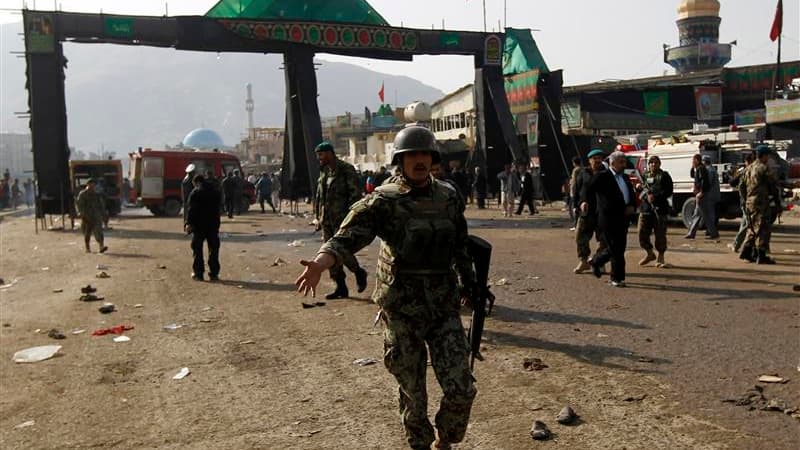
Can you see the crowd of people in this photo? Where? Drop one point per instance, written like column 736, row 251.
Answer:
column 13, row 194
column 603, row 204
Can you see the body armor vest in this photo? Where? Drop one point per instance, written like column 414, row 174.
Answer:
column 424, row 231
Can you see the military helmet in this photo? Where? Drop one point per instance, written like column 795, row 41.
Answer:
column 415, row 139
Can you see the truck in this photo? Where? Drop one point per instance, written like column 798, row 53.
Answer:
column 156, row 177
column 107, row 173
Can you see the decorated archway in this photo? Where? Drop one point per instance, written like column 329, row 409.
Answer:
column 297, row 29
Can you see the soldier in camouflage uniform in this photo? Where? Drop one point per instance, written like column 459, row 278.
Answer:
column 91, row 209
column 423, row 272
column 758, row 183
column 338, row 188
column 586, row 226
column 654, row 190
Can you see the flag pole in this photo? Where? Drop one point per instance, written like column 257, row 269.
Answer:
column 778, row 77
column 484, row 16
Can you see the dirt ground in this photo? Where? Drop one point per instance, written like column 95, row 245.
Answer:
column 645, row 367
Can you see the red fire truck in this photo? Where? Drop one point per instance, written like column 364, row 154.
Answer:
column 156, row 177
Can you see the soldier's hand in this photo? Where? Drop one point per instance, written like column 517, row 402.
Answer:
column 307, row 281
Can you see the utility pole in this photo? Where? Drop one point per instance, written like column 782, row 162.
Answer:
column 484, row 16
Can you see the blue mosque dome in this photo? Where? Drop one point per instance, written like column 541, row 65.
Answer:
column 203, row 138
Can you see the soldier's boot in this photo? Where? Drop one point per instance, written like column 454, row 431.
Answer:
column 340, row 292
column 762, row 258
column 650, row 256
column 747, row 254
column 583, row 266
column 361, row 279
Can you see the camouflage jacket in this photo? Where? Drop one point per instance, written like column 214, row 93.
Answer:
column 337, row 190
column 759, row 183
column 423, row 255
column 91, row 205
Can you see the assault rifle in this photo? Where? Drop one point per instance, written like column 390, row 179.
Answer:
column 482, row 299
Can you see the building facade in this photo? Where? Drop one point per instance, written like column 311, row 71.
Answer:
column 16, row 155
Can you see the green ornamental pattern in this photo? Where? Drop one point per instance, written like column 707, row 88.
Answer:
column 326, row 35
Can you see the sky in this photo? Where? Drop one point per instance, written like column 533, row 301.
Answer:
column 591, row 40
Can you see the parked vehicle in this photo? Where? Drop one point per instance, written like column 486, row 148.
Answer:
column 108, row 174
column 156, row 177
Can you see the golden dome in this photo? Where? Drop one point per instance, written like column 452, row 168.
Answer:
column 698, row 8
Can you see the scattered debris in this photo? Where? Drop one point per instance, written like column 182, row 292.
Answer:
column 119, row 339
column 27, row 424
column 6, row 286
column 297, row 243
column 279, row 262
column 36, row 354
column 172, row 327
column 339, row 314
column 531, row 364
column 102, row 275
column 205, row 320
column 539, row 431
column 616, row 306
column 634, row 398
column 207, row 308
column 45, row 269
column 88, row 289
column 601, row 335
column 90, row 298
column 58, row 291
column 791, row 251
column 772, row 379
column 161, row 266
column 643, row 359
column 56, row 334
column 102, row 267
column 312, row 305
column 566, row 416
column 502, row 282
column 181, row 374
column 365, row 362
column 119, row 329
column 78, row 331
column 138, row 305
column 247, row 342
column 107, row 308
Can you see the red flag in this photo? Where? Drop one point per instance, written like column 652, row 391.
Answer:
column 380, row 93
column 777, row 24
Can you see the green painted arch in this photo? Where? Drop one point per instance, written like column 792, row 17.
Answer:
column 343, row 11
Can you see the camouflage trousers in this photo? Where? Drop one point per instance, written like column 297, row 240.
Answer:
column 406, row 358
column 759, row 229
column 350, row 261
column 650, row 223
column 584, row 230
column 92, row 227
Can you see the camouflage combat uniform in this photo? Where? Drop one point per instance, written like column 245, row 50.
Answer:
column 337, row 190
column 653, row 218
column 759, row 182
column 586, row 226
column 91, row 209
column 422, row 261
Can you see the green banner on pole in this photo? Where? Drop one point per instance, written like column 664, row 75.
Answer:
column 656, row 103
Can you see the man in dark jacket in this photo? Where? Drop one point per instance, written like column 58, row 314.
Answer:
column 586, row 223
column 229, row 191
column 615, row 204
column 705, row 203
column 264, row 191
column 202, row 221
column 654, row 190
column 526, row 195
column 186, row 187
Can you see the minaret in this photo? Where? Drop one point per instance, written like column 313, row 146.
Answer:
column 698, row 30
column 249, row 106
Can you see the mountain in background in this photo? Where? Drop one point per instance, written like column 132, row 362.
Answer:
column 123, row 97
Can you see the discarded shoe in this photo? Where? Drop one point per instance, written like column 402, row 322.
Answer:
column 107, row 308
column 539, row 431
column 102, row 275
column 88, row 289
column 90, row 298
column 56, row 334
column 566, row 416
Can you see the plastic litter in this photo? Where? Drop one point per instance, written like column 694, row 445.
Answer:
column 297, row 243
column 27, row 424
column 279, row 262
column 772, row 379
column 58, row 291
column 172, row 327
column 119, row 329
column 502, row 282
column 121, row 339
column 181, row 374
column 36, row 354
column 102, row 267
column 78, row 331
column 365, row 362
column 12, row 283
